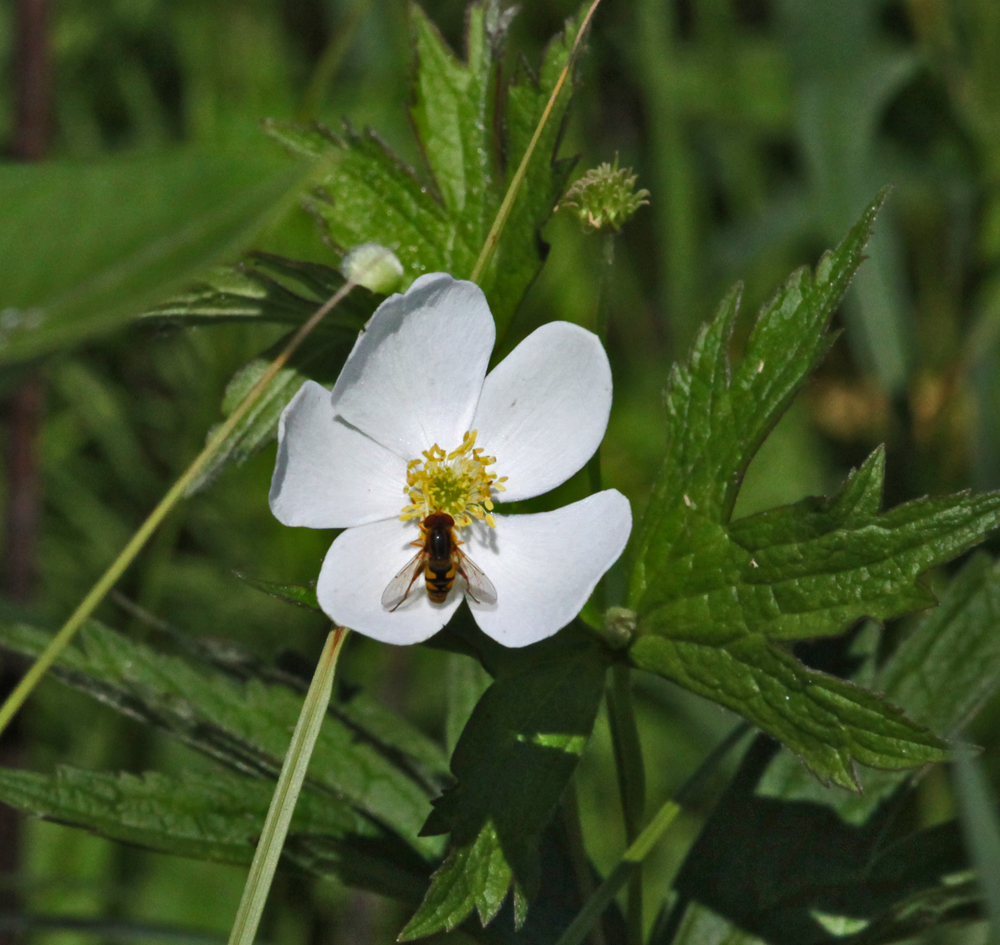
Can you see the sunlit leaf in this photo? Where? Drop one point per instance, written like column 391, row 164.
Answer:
column 717, row 599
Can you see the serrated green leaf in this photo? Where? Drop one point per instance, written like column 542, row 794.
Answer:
column 941, row 675
column 828, row 722
column 265, row 287
column 162, row 220
column 217, row 817
column 453, row 118
column 716, row 598
column 245, row 727
column 474, row 876
column 392, row 735
column 512, row 763
column 368, row 195
column 718, row 414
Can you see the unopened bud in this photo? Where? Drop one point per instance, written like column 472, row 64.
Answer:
column 619, row 627
column 374, row 267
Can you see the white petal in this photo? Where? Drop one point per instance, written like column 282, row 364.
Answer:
column 544, row 409
column 414, row 376
column 545, row 566
column 328, row 475
column 355, row 572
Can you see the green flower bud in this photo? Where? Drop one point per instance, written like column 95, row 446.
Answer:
column 374, row 267
column 619, row 627
column 605, row 198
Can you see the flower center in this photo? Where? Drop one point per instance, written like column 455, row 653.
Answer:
column 457, row 483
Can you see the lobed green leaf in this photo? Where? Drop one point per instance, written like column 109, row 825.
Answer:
column 473, row 876
column 716, row 598
column 718, row 415
column 366, row 194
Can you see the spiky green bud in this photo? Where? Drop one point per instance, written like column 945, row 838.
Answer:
column 605, row 198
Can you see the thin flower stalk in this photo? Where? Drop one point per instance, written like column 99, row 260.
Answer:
column 286, row 792
column 493, row 237
column 631, row 783
column 138, row 541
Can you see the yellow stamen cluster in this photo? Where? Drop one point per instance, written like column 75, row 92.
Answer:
column 457, row 483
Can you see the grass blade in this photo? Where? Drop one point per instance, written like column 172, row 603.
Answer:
column 293, row 772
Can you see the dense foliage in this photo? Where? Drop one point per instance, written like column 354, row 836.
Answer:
column 798, row 476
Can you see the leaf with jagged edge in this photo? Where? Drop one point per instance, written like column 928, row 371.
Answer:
column 268, row 288
column 512, row 762
column 716, row 599
column 941, row 674
column 245, row 727
column 368, row 195
column 211, row 817
column 219, row 817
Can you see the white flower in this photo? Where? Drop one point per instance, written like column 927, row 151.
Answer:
column 415, row 425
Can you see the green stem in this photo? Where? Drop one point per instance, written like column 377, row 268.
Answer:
column 627, row 866
column 640, row 848
column 631, row 783
column 493, row 237
column 604, row 286
column 286, row 793
column 601, row 326
column 128, row 554
column 578, row 855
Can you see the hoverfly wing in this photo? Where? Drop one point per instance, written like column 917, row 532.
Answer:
column 398, row 589
column 478, row 586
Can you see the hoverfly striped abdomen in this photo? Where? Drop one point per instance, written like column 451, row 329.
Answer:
column 439, row 546
column 440, row 561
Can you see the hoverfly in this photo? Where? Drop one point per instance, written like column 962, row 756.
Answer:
column 440, row 561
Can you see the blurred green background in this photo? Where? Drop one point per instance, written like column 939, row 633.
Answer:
column 761, row 129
